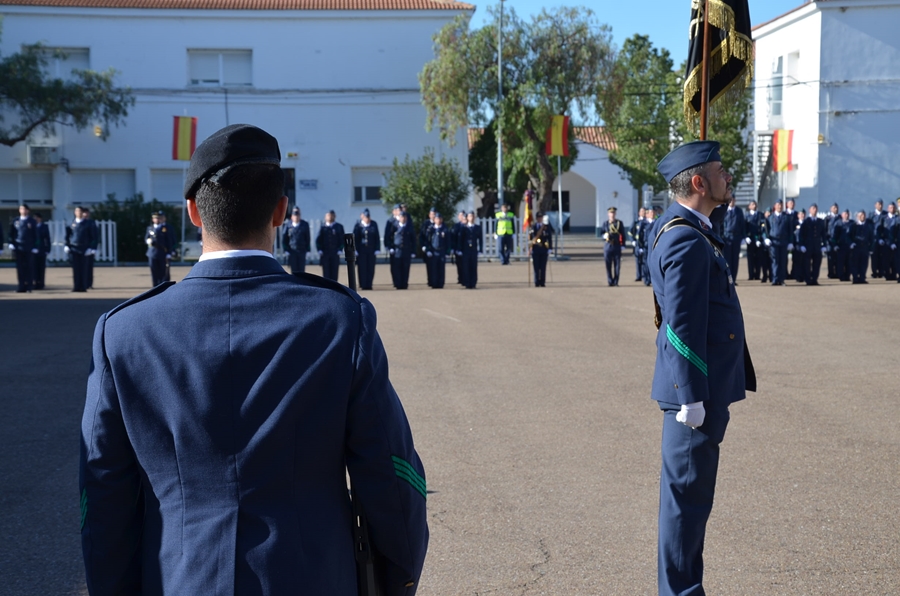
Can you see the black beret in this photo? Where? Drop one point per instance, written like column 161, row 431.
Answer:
column 438, row 214
column 365, row 212
column 234, row 145
column 25, row 205
column 295, row 211
column 611, row 210
column 687, row 156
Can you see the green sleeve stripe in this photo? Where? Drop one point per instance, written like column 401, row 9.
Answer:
column 83, row 507
column 685, row 351
column 406, row 472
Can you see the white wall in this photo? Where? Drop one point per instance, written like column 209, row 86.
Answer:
column 338, row 88
column 604, row 182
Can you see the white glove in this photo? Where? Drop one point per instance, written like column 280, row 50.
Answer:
column 881, row 242
column 691, row 414
column 790, row 246
column 391, row 251
column 479, row 254
column 321, row 253
column 149, row 241
column 66, row 249
column 34, row 251
column 90, row 251
column 338, row 253
column 803, row 249
column 768, row 242
column 377, row 252
column 459, row 253
column 893, row 247
column 824, row 249
column 748, row 241
column 758, row 243
column 12, row 247
column 606, row 236
column 495, row 236
column 429, row 254
column 853, row 245
column 355, row 253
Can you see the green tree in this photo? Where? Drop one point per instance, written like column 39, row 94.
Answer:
column 728, row 123
column 637, row 109
column 426, row 182
column 551, row 65
column 30, row 100
column 132, row 216
column 483, row 172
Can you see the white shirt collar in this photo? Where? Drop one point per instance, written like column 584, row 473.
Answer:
column 699, row 215
column 229, row 254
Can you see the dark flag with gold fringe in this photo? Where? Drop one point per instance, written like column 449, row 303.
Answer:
column 730, row 53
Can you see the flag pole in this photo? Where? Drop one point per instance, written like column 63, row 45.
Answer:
column 183, row 203
column 704, row 76
column 559, row 179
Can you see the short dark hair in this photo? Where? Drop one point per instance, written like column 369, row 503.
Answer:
column 238, row 206
column 681, row 186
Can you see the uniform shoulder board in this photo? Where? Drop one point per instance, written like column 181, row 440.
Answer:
column 140, row 297
column 321, row 282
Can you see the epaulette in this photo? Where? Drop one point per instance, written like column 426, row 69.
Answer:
column 141, row 297
column 320, row 282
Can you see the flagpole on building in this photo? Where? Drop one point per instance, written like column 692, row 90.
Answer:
column 559, row 180
column 704, row 76
column 183, row 203
column 499, row 108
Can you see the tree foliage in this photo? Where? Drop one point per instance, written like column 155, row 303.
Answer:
column 426, row 182
column 30, row 100
column 552, row 65
column 636, row 110
column 643, row 111
column 132, row 216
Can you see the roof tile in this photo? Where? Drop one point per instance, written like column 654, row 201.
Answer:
column 251, row 4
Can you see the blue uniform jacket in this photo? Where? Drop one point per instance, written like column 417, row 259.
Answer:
column 23, row 234
column 701, row 351
column 81, row 236
column 367, row 238
column 296, row 239
column 330, row 239
column 162, row 241
column 812, row 233
column 781, row 229
column 214, row 447
column 734, row 224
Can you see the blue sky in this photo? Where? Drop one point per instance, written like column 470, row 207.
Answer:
column 664, row 21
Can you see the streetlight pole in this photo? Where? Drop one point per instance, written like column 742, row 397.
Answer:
column 499, row 108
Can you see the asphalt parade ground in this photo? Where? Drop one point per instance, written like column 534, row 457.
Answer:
column 530, row 409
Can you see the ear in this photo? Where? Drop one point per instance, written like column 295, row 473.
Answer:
column 194, row 213
column 698, row 183
column 280, row 212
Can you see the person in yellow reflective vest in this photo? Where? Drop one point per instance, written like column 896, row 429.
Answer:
column 506, row 226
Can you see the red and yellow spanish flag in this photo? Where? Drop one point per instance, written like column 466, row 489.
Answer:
column 529, row 218
column 782, row 160
column 558, row 136
column 184, row 138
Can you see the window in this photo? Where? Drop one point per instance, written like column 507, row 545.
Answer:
column 62, row 61
column 220, row 68
column 33, row 187
column 367, row 183
column 776, row 87
column 94, row 186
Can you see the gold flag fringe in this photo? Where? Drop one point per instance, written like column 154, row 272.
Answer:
column 735, row 45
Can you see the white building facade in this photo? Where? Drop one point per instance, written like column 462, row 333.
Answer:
column 830, row 71
column 335, row 81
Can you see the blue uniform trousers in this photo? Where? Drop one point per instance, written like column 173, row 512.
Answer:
column 25, row 269
column 539, row 261
column 40, row 270
column 842, row 262
column 506, row 247
column 753, row 261
column 779, row 263
column 859, row 263
column 331, row 263
column 79, row 271
column 297, row 262
column 613, row 257
column 470, row 268
column 436, row 265
column 365, row 264
column 157, row 271
column 690, row 462
column 400, row 264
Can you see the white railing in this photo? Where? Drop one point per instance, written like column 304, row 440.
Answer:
column 106, row 247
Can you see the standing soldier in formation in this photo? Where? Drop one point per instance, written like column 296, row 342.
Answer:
column 437, row 247
column 635, row 233
column 813, row 244
column 390, row 223
column 800, row 261
column 781, row 230
column 92, row 251
column 614, row 234
column 296, row 241
column 470, row 248
column 644, row 244
column 841, row 234
column 881, row 248
column 423, row 240
column 792, row 248
column 831, row 220
column 43, row 245
column 765, row 255
column 734, row 233
column 753, row 232
column 877, row 249
column 79, row 239
column 368, row 246
column 330, row 243
column 23, row 243
column 892, row 272
column 401, row 244
column 160, row 246
column 861, row 241
column 541, row 238
column 506, row 229
column 456, row 244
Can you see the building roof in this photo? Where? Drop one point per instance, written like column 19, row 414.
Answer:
column 250, row 4
column 597, row 136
